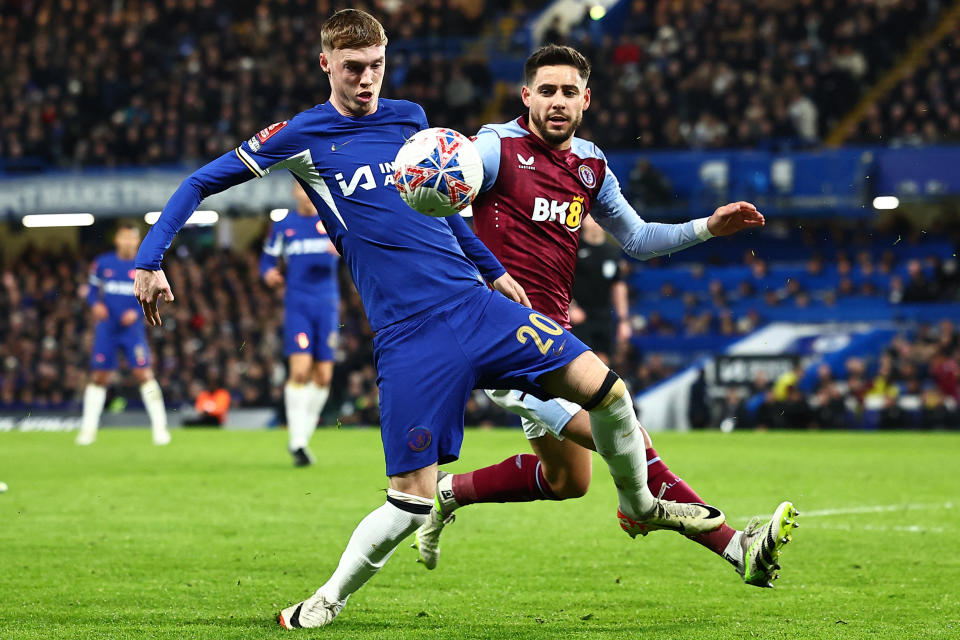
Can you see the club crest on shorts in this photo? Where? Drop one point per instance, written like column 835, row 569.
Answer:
column 587, row 176
column 419, row 438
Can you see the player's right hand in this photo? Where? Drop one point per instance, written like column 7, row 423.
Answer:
column 149, row 287
column 273, row 277
column 100, row 311
column 509, row 287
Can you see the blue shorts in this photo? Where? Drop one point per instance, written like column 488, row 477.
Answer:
column 109, row 337
column 311, row 325
column 429, row 364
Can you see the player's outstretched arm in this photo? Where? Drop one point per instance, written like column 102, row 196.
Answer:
column 734, row 217
column 644, row 240
column 219, row 175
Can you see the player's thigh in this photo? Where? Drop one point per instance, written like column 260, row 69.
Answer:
column 103, row 357
column 133, row 341
column 578, row 381
column 298, row 330
column 326, row 330
column 425, row 382
column 301, row 366
column 512, row 345
column 566, row 465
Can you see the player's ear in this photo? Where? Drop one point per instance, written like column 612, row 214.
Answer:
column 586, row 99
column 525, row 95
column 324, row 62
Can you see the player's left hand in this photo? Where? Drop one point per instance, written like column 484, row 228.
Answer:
column 734, row 217
column 150, row 287
column 509, row 287
column 129, row 317
column 624, row 330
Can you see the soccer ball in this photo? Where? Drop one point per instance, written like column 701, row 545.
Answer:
column 438, row 172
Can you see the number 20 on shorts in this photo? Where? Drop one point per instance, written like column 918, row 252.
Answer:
column 544, row 324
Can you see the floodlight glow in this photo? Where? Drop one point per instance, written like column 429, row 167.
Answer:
column 597, row 12
column 38, row 220
column 202, row 217
column 886, row 202
column 279, row 214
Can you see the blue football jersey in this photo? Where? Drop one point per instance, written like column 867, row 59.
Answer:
column 402, row 262
column 111, row 282
column 306, row 248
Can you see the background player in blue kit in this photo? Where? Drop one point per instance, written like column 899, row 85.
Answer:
column 311, row 316
column 119, row 327
column 440, row 331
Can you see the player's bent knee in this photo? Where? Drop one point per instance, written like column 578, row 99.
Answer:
column 416, row 505
column 609, row 392
column 571, row 486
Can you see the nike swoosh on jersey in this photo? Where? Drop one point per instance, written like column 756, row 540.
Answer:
column 334, row 147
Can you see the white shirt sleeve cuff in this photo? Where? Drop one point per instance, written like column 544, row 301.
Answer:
column 700, row 229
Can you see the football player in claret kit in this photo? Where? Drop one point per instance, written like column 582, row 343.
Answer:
column 539, row 183
column 311, row 316
column 119, row 327
column 423, row 283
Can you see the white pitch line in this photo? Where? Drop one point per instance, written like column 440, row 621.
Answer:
column 879, row 508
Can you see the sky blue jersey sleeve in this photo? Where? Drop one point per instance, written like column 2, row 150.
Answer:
column 272, row 249
column 641, row 239
column 487, row 143
column 487, row 263
column 221, row 174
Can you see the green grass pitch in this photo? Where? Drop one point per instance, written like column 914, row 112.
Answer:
column 209, row 537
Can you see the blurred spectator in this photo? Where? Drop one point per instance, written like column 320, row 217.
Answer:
column 211, row 407
column 647, row 187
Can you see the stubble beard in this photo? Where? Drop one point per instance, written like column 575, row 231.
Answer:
column 554, row 138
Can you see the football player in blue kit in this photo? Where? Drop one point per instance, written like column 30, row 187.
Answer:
column 440, row 331
column 119, row 327
column 311, row 316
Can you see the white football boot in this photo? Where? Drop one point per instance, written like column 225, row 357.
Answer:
column 688, row 518
column 761, row 544
column 86, row 437
column 161, row 437
column 315, row 611
column 428, row 535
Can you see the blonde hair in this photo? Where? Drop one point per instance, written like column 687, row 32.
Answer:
column 351, row 29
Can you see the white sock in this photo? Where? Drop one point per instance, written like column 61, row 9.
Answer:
column 153, row 401
column 373, row 542
column 620, row 442
column 318, row 400
column 94, row 396
column 733, row 553
column 297, row 399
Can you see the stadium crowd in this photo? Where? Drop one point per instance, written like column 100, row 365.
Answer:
column 741, row 74
column 924, row 108
column 150, row 82
column 224, row 332
column 914, row 383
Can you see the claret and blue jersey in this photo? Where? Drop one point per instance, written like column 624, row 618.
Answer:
column 111, row 282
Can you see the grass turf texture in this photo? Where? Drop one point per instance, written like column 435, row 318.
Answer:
column 211, row 536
